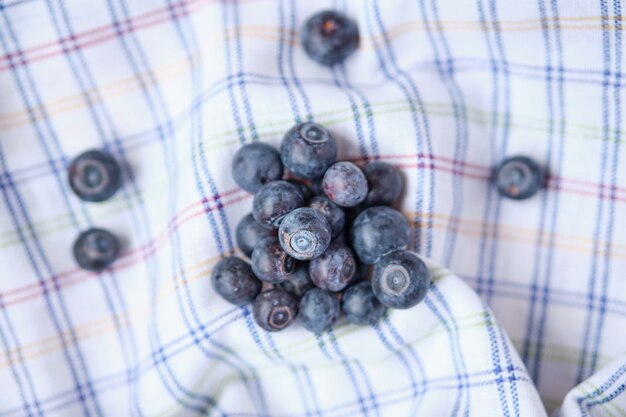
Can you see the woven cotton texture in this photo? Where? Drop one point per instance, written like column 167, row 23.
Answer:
column 443, row 89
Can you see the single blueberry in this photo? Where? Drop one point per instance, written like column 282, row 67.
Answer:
column 329, row 37
column 249, row 233
column 360, row 305
column 96, row 249
column 345, row 184
column 385, row 183
column 256, row 164
column 299, row 282
column 232, row 278
column 308, row 149
column 319, row 310
column 304, row 189
column 275, row 309
column 378, row 231
column 273, row 201
column 94, row 176
column 335, row 269
column 270, row 263
column 333, row 213
column 304, row 233
column 519, row 178
column 400, row 280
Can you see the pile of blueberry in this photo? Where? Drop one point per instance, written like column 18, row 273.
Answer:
column 312, row 238
column 303, row 234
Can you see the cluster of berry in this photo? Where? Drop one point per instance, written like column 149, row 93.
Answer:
column 303, row 234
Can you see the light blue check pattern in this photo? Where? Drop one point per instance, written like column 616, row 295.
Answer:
column 532, row 319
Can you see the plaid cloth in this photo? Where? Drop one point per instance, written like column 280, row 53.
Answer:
column 533, row 315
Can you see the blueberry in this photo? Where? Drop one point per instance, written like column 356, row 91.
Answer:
column 400, row 280
column 94, row 176
column 378, row 231
column 299, row 282
column 256, row 164
column 319, row 310
column 304, row 189
column 308, row 149
column 335, row 269
column 249, row 233
column 96, row 249
column 304, row 233
column 345, row 184
column 273, row 201
column 232, row 278
column 360, row 305
column 275, row 309
column 519, row 178
column 270, row 263
column 385, row 183
column 333, row 213
column 329, row 37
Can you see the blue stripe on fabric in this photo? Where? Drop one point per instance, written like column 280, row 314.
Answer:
column 447, row 75
column 280, row 56
column 423, row 138
column 290, row 62
column 530, row 340
column 26, row 403
column 617, row 97
column 583, row 363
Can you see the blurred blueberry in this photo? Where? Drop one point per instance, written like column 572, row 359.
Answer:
column 335, row 269
column 275, row 309
column 304, row 233
column 345, row 184
column 519, row 178
column 249, row 233
column 256, row 164
column 308, row 149
column 94, row 176
column 385, row 183
column 233, row 279
column 319, row 310
column 329, row 37
column 333, row 213
column 304, row 189
column 400, row 280
column 273, row 201
column 298, row 282
column 378, row 231
column 95, row 249
column 270, row 263
column 360, row 305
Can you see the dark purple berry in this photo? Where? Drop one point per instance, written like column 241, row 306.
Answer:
column 400, row 280
column 319, row 310
column 308, row 149
column 329, row 37
column 256, row 164
column 360, row 305
column 94, row 176
column 249, row 233
column 233, row 279
column 304, row 233
column 270, row 263
column 273, row 201
column 345, row 184
column 275, row 309
column 304, row 189
column 298, row 282
column 333, row 213
column 519, row 178
column 378, row 231
column 95, row 249
column 385, row 183
column 335, row 269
